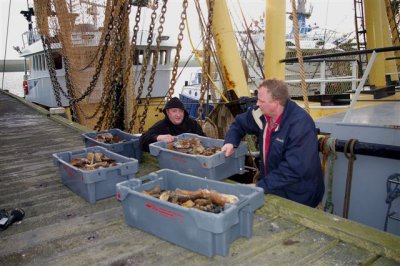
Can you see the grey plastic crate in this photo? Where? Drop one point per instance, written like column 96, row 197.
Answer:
column 96, row 184
column 216, row 167
column 206, row 233
column 129, row 148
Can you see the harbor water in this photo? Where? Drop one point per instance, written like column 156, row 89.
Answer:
column 12, row 82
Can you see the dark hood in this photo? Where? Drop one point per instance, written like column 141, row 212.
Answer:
column 175, row 103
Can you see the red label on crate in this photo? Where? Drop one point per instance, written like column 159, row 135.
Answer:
column 69, row 170
column 164, row 212
column 178, row 158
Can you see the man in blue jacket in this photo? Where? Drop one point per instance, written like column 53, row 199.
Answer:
column 288, row 144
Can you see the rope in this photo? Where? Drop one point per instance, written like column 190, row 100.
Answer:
column 300, row 57
column 327, row 146
column 196, row 54
column 349, row 153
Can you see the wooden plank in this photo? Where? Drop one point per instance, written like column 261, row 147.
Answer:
column 378, row 242
column 61, row 228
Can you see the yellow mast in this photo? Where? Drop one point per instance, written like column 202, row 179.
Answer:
column 390, row 65
column 377, row 32
column 227, row 50
column 275, row 48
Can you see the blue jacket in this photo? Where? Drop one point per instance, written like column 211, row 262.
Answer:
column 294, row 167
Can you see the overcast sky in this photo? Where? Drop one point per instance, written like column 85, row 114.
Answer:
column 332, row 14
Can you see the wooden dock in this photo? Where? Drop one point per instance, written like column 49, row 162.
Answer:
column 61, row 228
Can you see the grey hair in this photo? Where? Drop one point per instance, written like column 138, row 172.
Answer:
column 277, row 89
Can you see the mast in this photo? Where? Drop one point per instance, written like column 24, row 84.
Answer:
column 378, row 34
column 227, row 50
column 275, row 49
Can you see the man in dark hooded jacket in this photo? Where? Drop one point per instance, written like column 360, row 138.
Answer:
column 176, row 122
column 288, row 144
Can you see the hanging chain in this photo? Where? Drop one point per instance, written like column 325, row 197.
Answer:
column 106, row 86
column 100, row 62
column 132, row 51
column 156, row 53
column 108, row 95
column 178, row 49
column 52, row 72
column 206, row 63
column 143, row 70
column 70, row 90
column 117, row 81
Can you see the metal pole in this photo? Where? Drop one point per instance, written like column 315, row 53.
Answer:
column 322, row 56
column 360, row 86
column 5, row 47
column 370, row 149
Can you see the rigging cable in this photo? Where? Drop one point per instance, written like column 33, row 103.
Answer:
column 251, row 40
column 201, row 64
column 5, row 47
column 300, row 57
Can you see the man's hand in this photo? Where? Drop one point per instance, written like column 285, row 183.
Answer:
column 228, row 149
column 166, row 138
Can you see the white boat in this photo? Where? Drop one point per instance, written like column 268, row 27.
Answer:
column 39, row 88
column 313, row 40
column 190, row 95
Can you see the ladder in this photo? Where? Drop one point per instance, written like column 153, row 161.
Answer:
column 360, row 34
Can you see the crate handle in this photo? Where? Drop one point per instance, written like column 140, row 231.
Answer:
column 148, row 178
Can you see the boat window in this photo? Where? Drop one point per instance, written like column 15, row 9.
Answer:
column 195, row 94
column 39, row 63
column 138, row 57
column 57, row 58
column 43, row 66
column 30, row 62
column 190, row 92
column 150, row 62
column 163, row 57
column 34, row 62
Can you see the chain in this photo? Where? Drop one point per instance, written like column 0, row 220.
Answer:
column 127, row 74
column 53, row 75
column 100, row 62
column 106, row 86
column 108, row 95
column 178, row 49
column 206, row 62
column 154, row 66
column 143, row 70
column 70, row 89
column 120, row 51
column 132, row 54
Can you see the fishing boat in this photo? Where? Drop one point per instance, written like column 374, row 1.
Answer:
column 337, row 116
column 191, row 92
column 313, row 40
column 364, row 177
column 69, row 77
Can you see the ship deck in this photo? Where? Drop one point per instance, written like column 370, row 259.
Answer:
column 61, row 228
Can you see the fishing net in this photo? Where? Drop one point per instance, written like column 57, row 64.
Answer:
column 89, row 35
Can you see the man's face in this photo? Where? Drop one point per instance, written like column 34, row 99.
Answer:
column 267, row 105
column 175, row 115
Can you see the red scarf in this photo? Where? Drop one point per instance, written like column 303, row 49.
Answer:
column 270, row 128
